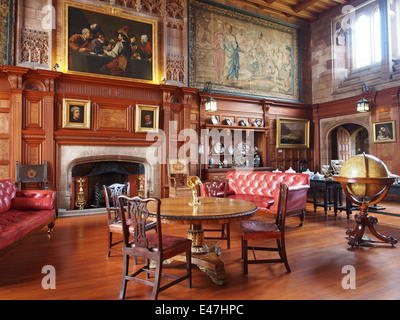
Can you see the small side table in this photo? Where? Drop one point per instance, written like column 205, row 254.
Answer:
column 329, row 188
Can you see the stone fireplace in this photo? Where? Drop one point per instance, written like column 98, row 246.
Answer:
column 72, row 155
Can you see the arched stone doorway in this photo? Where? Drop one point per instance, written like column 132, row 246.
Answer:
column 345, row 136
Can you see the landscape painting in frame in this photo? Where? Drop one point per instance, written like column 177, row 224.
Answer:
column 242, row 53
column 108, row 42
column 292, row 133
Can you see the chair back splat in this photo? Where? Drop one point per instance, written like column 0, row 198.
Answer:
column 30, row 174
column 111, row 194
column 153, row 246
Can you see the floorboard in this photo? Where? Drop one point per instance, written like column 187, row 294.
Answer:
column 317, row 252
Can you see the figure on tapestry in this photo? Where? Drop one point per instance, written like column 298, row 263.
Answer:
column 242, row 53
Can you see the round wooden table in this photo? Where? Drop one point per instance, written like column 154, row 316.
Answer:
column 210, row 211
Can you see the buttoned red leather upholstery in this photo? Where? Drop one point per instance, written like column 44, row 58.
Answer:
column 262, row 188
column 7, row 192
column 22, row 212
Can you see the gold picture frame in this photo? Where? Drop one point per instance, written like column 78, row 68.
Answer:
column 292, row 133
column 384, row 131
column 76, row 113
column 110, row 26
column 146, row 118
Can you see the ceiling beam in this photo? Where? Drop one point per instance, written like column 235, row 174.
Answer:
column 304, row 5
column 279, row 7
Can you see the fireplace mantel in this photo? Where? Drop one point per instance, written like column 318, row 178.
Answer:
column 71, row 155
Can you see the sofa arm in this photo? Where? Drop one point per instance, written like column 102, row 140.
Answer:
column 34, row 199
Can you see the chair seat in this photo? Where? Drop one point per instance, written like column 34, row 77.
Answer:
column 172, row 245
column 117, row 227
column 252, row 230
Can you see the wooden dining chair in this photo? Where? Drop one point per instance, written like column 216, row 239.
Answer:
column 217, row 188
column 111, row 194
column 154, row 246
column 252, row 230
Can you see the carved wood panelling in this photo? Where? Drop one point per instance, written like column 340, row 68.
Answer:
column 4, row 150
column 77, row 87
column 113, row 118
column 33, row 151
column 33, row 113
column 4, row 123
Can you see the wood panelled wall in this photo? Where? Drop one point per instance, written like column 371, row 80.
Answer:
column 31, row 119
column 31, row 103
column 384, row 105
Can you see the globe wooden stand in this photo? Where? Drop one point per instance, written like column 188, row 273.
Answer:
column 356, row 235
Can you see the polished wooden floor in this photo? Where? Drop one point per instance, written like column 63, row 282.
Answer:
column 317, row 252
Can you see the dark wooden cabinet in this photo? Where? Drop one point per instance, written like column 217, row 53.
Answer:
column 220, row 173
column 231, row 147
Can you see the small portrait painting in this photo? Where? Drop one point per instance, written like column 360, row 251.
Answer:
column 76, row 114
column 146, row 118
column 384, row 131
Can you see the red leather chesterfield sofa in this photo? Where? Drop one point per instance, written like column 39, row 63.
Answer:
column 262, row 188
column 22, row 213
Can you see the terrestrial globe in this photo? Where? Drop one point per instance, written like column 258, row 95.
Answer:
column 364, row 166
column 365, row 180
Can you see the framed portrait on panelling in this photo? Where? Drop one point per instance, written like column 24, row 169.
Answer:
column 384, row 131
column 76, row 113
column 108, row 42
column 146, row 118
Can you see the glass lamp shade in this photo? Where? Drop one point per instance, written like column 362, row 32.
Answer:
column 210, row 105
column 362, row 105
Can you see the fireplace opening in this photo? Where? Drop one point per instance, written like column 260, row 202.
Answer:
column 88, row 180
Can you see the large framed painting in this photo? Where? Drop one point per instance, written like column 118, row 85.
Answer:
column 106, row 41
column 384, row 131
column 242, row 53
column 292, row 133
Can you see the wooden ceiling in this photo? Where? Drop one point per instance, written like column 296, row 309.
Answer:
column 310, row 10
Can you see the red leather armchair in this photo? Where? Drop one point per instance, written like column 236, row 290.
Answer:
column 23, row 212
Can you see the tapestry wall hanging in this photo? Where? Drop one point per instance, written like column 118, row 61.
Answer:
column 242, row 53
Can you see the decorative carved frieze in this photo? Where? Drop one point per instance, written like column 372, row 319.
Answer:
column 175, row 9
column 34, row 47
column 175, row 68
column 170, row 8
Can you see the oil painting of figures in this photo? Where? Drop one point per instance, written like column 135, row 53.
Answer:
column 242, row 53
column 110, row 45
